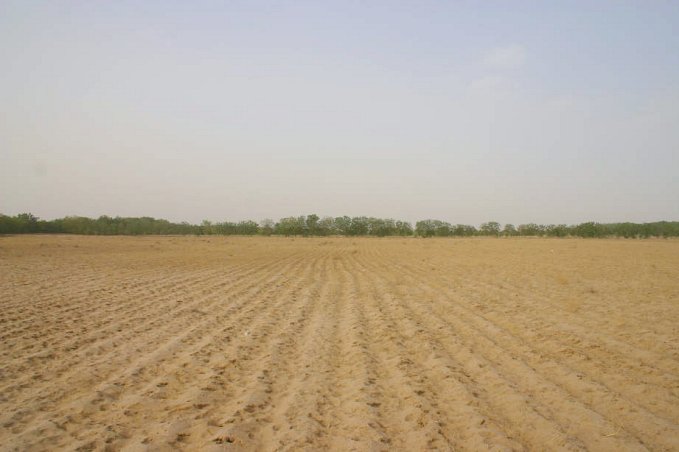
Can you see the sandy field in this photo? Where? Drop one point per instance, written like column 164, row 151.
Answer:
column 235, row 343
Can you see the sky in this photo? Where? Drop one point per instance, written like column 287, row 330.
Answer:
column 508, row 111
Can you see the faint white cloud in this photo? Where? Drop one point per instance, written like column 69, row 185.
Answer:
column 487, row 84
column 505, row 57
column 563, row 101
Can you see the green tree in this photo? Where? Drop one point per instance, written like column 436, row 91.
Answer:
column 590, row 229
column 326, row 226
column 509, row 230
column 343, row 225
column 267, row 226
column 291, row 226
column 556, row 230
column 359, row 226
column 491, row 228
column 530, row 229
column 312, row 224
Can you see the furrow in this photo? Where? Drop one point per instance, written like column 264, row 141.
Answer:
column 164, row 338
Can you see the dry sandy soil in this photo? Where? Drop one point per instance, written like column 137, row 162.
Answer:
column 352, row 344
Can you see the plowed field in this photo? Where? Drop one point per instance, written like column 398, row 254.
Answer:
column 230, row 343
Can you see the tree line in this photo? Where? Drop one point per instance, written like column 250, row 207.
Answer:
column 437, row 228
column 313, row 225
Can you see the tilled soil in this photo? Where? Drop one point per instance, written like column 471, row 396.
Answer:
column 236, row 343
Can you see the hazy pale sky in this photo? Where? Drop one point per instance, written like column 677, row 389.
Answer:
column 548, row 112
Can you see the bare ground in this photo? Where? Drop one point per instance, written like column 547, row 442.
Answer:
column 161, row 343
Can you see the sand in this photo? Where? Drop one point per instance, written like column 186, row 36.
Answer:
column 234, row 343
